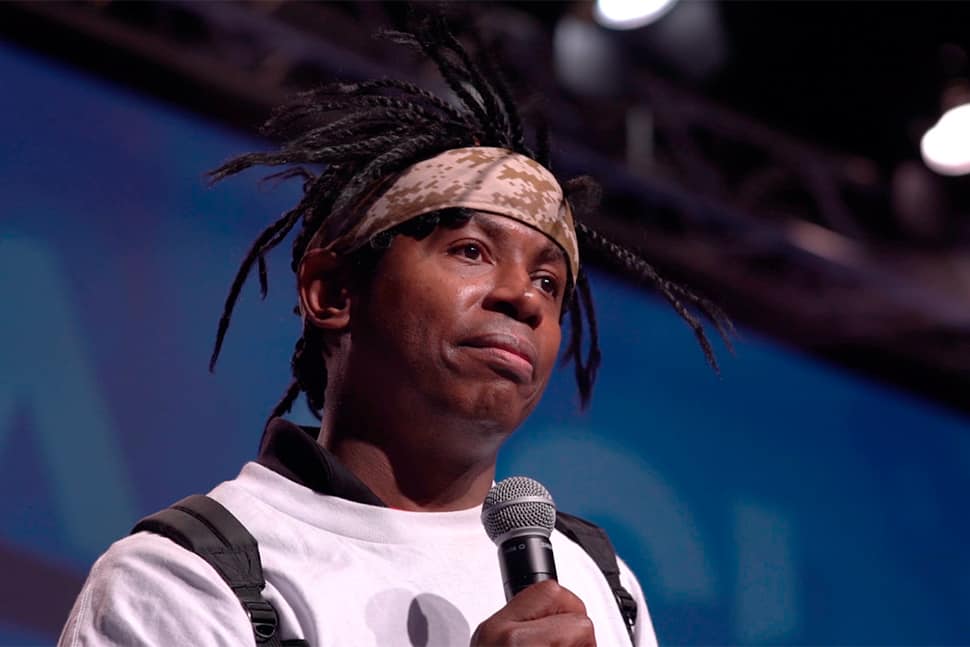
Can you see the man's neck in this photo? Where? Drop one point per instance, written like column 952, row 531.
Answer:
column 422, row 467
column 413, row 483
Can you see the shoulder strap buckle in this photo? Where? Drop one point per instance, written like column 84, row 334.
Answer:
column 261, row 613
column 628, row 606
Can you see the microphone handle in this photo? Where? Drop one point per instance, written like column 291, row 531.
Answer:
column 524, row 561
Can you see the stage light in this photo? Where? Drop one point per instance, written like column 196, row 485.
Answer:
column 630, row 14
column 588, row 60
column 946, row 146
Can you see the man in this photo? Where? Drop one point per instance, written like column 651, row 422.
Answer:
column 436, row 259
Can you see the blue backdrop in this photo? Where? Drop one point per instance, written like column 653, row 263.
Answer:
column 787, row 502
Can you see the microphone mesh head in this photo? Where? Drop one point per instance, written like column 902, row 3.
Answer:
column 518, row 503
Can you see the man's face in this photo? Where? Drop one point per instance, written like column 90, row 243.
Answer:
column 466, row 319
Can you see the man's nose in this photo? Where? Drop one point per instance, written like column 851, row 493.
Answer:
column 514, row 294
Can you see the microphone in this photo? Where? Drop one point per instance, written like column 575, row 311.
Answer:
column 518, row 515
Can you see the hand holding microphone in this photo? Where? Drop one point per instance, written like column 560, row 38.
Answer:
column 519, row 515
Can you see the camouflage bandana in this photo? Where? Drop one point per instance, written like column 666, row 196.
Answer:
column 493, row 180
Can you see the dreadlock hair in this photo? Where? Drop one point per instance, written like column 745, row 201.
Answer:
column 361, row 133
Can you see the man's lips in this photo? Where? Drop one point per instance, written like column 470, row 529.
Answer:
column 519, row 353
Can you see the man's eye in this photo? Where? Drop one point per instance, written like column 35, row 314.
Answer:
column 470, row 251
column 548, row 285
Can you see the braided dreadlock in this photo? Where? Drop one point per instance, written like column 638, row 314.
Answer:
column 363, row 132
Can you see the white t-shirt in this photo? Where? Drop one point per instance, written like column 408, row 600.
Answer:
column 338, row 572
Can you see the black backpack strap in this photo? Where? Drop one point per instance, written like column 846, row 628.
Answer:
column 597, row 544
column 200, row 524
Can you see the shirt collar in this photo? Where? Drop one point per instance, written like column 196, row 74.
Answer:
column 294, row 452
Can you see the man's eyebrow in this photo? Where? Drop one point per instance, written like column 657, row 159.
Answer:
column 550, row 253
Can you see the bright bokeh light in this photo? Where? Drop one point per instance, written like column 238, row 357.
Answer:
column 946, row 146
column 630, row 14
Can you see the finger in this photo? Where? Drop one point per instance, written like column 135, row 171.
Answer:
column 543, row 599
column 560, row 630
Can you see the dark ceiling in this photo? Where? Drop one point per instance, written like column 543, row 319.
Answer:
column 782, row 176
column 860, row 77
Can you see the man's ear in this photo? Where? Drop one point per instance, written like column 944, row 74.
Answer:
column 323, row 283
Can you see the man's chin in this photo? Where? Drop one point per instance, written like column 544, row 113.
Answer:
column 504, row 401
